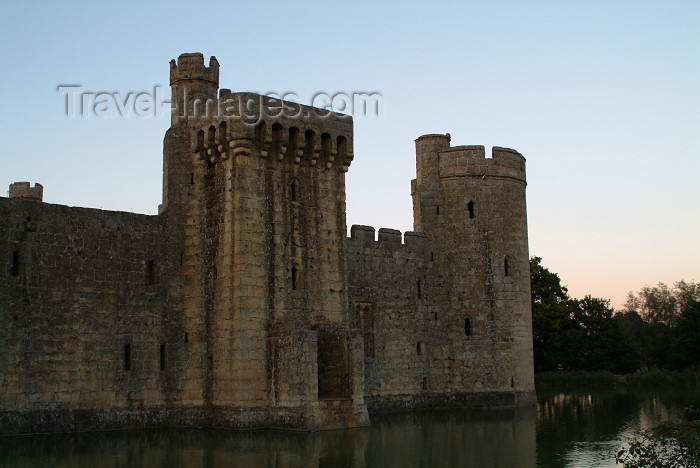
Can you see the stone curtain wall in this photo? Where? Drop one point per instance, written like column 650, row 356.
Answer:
column 386, row 278
column 86, row 320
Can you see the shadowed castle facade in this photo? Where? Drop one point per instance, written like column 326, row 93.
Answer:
column 243, row 304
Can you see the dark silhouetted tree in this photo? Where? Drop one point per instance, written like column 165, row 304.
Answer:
column 550, row 316
column 576, row 334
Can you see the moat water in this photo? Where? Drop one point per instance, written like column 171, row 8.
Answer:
column 573, row 429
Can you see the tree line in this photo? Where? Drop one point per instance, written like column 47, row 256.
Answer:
column 657, row 328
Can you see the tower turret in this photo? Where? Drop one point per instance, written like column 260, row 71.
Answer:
column 473, row 214
column 428, row 148
column 25, row 191
column 263, row 260
column 191, row 81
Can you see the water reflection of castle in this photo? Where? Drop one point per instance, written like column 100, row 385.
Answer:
column 465, row 438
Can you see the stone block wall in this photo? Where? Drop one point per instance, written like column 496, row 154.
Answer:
column 86, row 318
column 472, row 211
column 386, row 280
column 25, row 191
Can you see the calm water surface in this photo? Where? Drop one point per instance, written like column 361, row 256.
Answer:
column 575, row 429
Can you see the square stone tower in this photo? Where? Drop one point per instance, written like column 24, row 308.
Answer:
column 258, row 187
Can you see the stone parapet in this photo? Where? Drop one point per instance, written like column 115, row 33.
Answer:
column 364, row 236
column 25, row 191
column 471, row 161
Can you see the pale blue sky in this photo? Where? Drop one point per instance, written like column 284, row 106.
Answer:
column 601, row 97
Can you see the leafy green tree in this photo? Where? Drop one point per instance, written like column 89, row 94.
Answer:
column 655, row 304
column 687, row 295
column 664, row 324
column 593, row 319
column 550, row 316
column 687, row 344
column 663, row 304
column 659, row 327
column 596, row 341
column 603, row 344
column 576, row 334
column 642, row 337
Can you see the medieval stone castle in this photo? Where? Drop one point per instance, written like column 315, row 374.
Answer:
column 243, row 303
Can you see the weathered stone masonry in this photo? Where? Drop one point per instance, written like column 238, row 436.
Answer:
column 243, row 304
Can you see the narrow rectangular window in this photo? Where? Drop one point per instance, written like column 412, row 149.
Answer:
column 293, row 191
column 368, row 323
column 127, row 357
column 420, row 293
column 150, row 272
column 14, row 271
column 295, row 278
column 162, row 357
column 192, row 178
column 186, row 337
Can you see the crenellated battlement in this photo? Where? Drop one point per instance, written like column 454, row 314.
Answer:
column 192, row 85
column 251, row 124
column 388, row 239
column 25, row 191
column 225, row 125
column 436, row 159
column 189, row 67
column 471, row 161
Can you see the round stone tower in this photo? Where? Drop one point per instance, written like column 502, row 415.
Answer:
column 473, row 214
